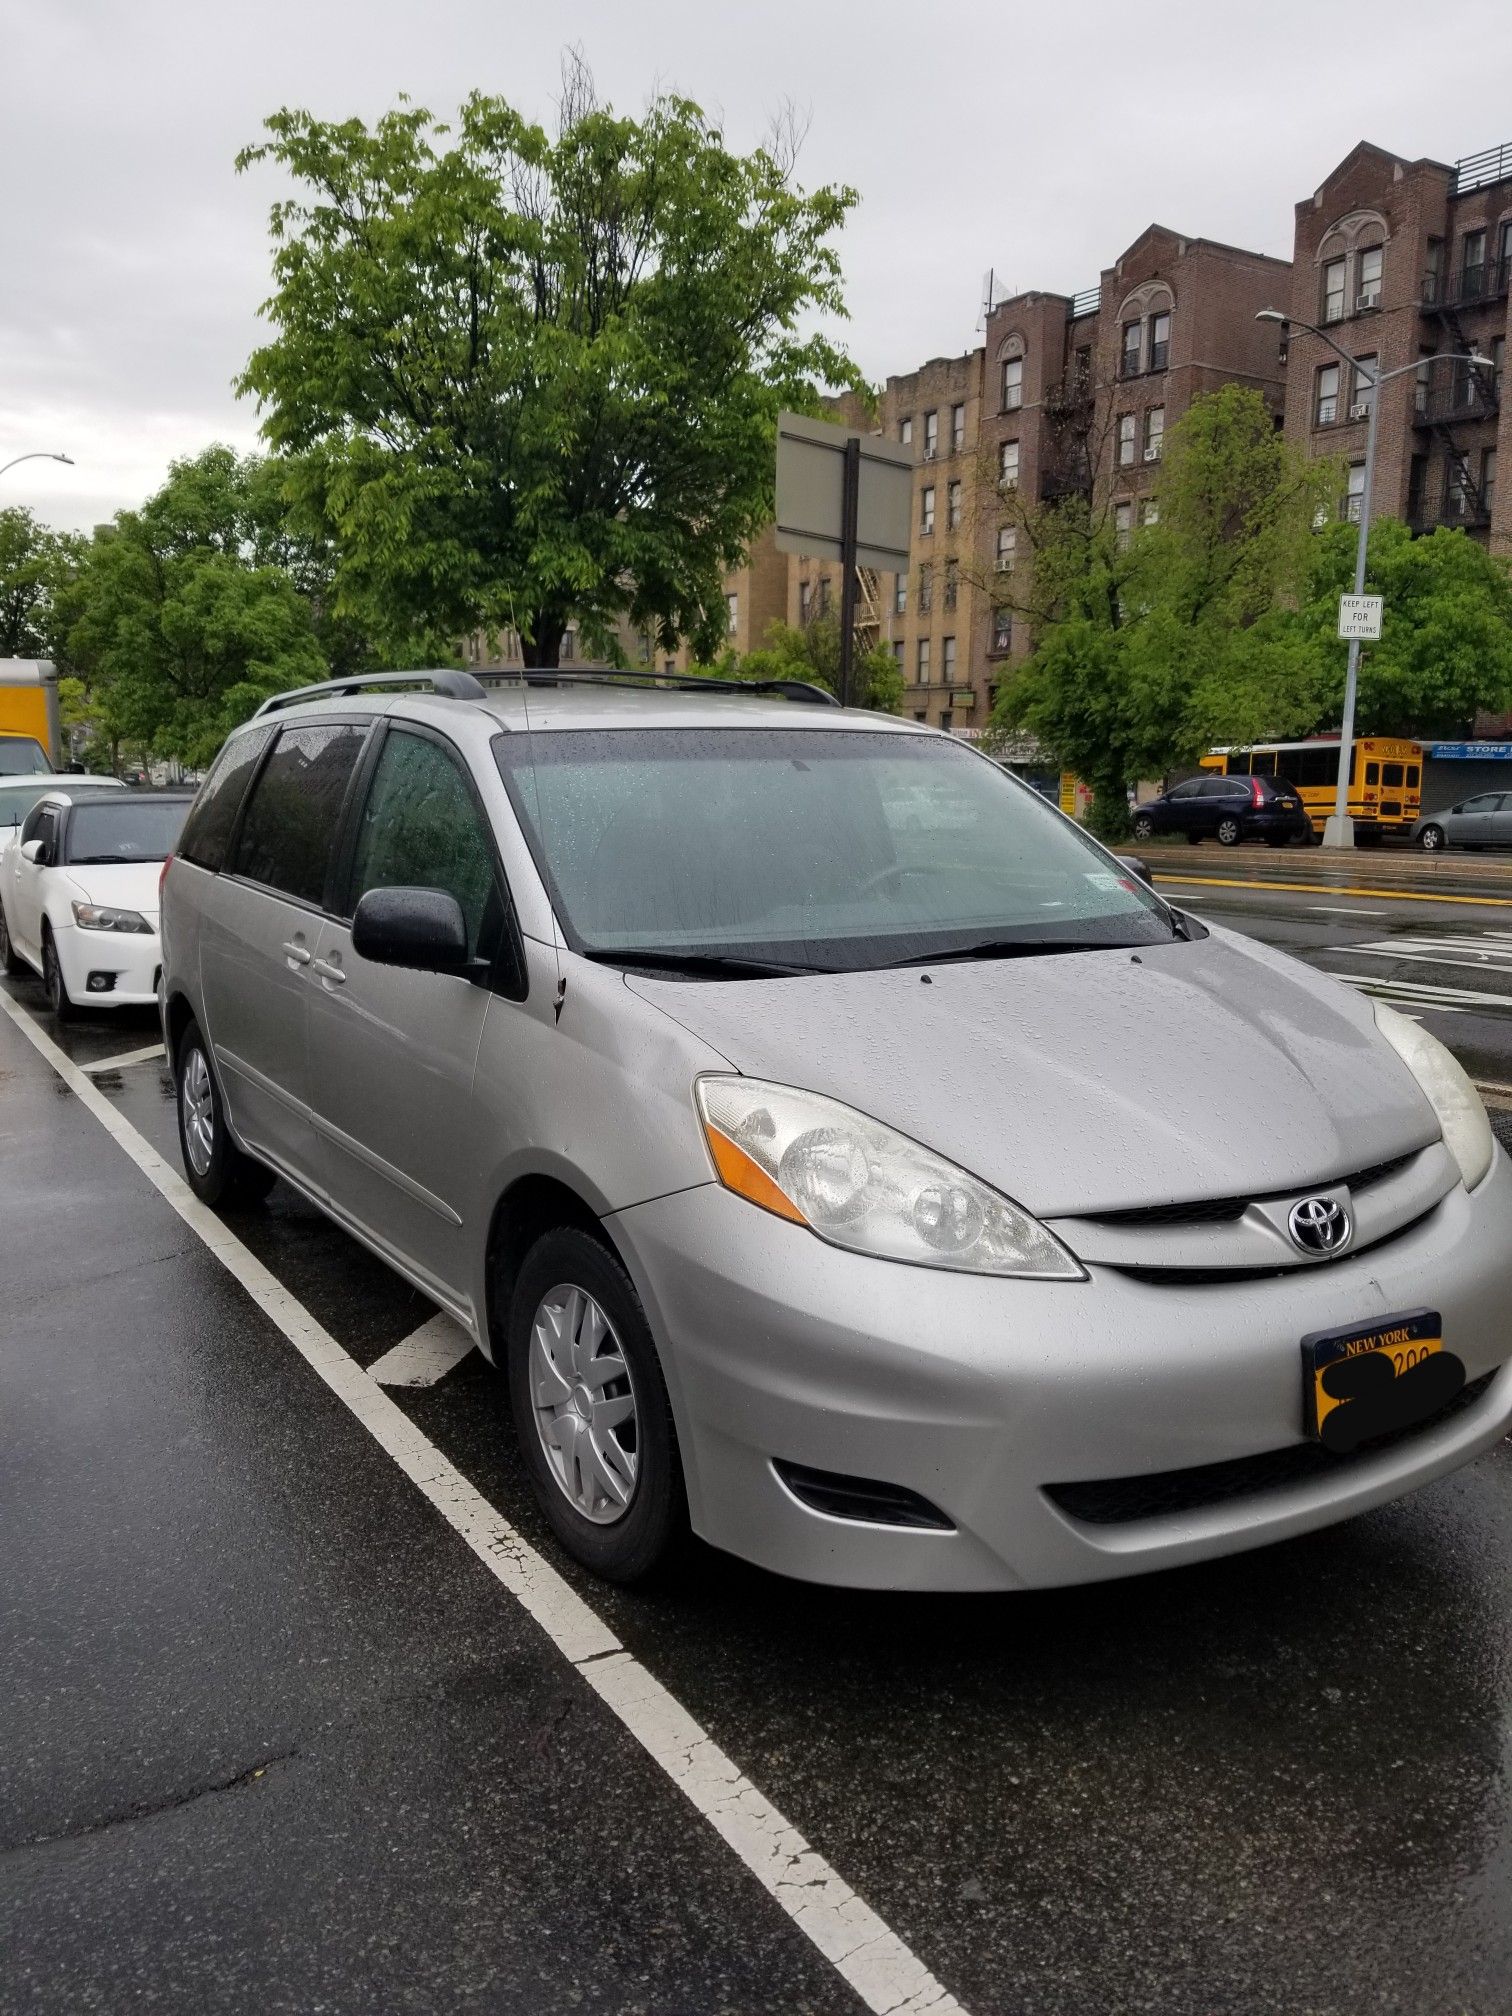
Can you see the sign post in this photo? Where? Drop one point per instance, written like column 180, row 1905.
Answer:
column 844, row 496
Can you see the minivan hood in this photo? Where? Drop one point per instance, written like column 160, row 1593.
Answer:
column 1093, row 1081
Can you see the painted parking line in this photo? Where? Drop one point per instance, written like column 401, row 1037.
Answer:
column 865, row 1952
column 425, row 1356
column 1330, row 889
column 1346, row 910
column 125, row 1059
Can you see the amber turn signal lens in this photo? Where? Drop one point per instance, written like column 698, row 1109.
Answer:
column 748, row 1179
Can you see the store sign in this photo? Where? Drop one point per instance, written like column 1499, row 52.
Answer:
column 1470, row 752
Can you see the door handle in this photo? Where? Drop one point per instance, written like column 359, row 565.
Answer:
column 300, row 954
column 329, row 972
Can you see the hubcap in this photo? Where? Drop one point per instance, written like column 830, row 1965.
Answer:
column 198, row 1102
column 584, row 1404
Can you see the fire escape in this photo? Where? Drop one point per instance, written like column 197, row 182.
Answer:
column 1451, row 397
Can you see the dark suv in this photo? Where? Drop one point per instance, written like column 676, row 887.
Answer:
column 1232, row 808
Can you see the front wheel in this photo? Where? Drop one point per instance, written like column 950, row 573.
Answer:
column 591, row 1410
column 58, row 997
column 1228, row 833
column 1144, row 827
column 216, row 1169
column 1431, row 839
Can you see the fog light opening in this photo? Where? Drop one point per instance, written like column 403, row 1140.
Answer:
column 864, row 1500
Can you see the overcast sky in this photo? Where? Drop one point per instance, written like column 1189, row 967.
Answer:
column 1038, row 141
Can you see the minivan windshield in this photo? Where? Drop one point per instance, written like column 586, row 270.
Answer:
column 133, row 829
column 731, row 850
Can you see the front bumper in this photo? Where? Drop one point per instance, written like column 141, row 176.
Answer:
column 132, row 959
column 979, row 1394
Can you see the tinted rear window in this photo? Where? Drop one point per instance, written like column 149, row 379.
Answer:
column 128, row 829
column 207, row 831
column 291, row 818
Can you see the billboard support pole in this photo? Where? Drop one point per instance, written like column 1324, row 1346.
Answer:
column 849, row 513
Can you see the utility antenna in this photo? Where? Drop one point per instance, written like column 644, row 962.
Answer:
column 988, row 279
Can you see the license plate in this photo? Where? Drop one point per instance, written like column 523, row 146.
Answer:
column 1358, row 1384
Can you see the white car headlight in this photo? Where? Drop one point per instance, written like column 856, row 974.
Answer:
column 860, row 1185
column 100, row 917
column 1467, row 1131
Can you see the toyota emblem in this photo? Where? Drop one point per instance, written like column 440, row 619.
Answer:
column 1319, row 1225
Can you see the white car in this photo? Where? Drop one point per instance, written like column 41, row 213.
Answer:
column 19, row 794
column 79, row 894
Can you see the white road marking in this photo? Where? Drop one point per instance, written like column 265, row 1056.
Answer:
column 1394, row 994
column 425, row 1356
column 889, row 1979
column 126, row 1057
column 1482, row 964
column 1346, row 910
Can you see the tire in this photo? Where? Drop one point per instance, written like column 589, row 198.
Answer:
column 58, row 997
column 11, row 962
column 1276, row 840
column 1144, row 827
column 1194, row 839
column 565, row 1274
column 1230, row 833
column 1431, row 839
column 215, row 1169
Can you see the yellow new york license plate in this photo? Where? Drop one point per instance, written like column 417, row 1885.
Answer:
column 1357, row 1384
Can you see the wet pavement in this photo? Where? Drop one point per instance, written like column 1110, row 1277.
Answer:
column 277, row 1740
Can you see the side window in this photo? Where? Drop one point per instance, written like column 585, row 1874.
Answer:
column 291, row 818
column 1189, row 790
column 31, row 828
column 207, row 831
column 421, row 828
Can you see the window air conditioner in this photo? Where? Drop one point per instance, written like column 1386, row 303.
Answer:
column 1152, row 451
column 1370, row 298
column 1360, row 411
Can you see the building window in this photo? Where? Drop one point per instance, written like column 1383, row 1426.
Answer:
column 1354, row 496
column 824, row 595
column 926, row 508
column 931, row 436
column 953, row 504
column 1503, row 255
column 1002, row 629
column 1473, row 265
column 1149, row 512
column 1081, row 368
column 569, row 644
column 1125, row 440
column 1417, row 483
column 732, row 613
column 1154, row 433
column 1160, row 341
column 1422, row 384
column 1327, row 409
column 669, row 666
column 921, row 664
column 900, row 595
column 1013, row 384
column 1368, row 278
column 1123, row 525
column 952, row 582
column 1457, row 499
column 947, row 659
column 1488, row 480
column 1008, row 465
column 1129, row 364
column 1498, row 364
column 1333, row 289
column 905, row 429
column 1007, row 548
column 957, row 429
column 926, row 588
column 1433, row 276
column 1364, row 387
column 897, row 651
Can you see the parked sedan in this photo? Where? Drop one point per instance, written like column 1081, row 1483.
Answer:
column 1482, row 821
column 19, row 794
column 1231, row 809
column 79, row 894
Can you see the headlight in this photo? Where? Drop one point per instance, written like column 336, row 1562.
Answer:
column 1467, row 1131
column 98, row 917
column 859, row 1185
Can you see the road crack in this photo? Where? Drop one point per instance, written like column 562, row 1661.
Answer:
column 149, row 1809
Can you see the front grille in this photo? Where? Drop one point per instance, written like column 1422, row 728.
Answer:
column 861, row 1498
column 1222, row 1277
column 1223, row 1210
column 1119, row 1501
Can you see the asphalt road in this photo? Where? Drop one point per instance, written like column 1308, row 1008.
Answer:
column 278, row 1737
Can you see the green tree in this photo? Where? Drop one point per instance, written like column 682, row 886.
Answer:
column 1445, row 650
column 35, row 565
column 531, row 381
column 1150, row 645
column 179, row 622
column 812, row 653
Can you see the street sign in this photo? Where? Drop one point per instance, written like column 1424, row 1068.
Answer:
column 811, row 463
column 1360, row 616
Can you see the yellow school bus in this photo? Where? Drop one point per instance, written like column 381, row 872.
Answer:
column 1385, row 779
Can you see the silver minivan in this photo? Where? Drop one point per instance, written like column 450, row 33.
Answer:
column 836, row 1150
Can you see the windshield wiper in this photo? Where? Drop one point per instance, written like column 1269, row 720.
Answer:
column 711, row 963
column 107, row 860
column 1015, row 948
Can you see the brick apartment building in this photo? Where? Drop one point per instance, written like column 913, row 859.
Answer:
column 1406, row 262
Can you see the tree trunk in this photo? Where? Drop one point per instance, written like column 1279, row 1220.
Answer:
column 543, row 648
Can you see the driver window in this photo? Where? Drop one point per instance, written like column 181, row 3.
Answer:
column 421, row 829
column 32, row 829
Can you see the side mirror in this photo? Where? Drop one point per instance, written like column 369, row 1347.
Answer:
column 1136, row 866
column 36, row 852
column 422, row 929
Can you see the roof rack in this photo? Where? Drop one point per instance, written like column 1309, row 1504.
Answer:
column 449, row 683
column 802, row 690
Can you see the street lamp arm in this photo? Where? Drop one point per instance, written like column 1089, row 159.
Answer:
column 36, row 455
column 1371, row 377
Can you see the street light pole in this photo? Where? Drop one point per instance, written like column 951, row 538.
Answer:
column 1338, row 828
column 36, row 455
